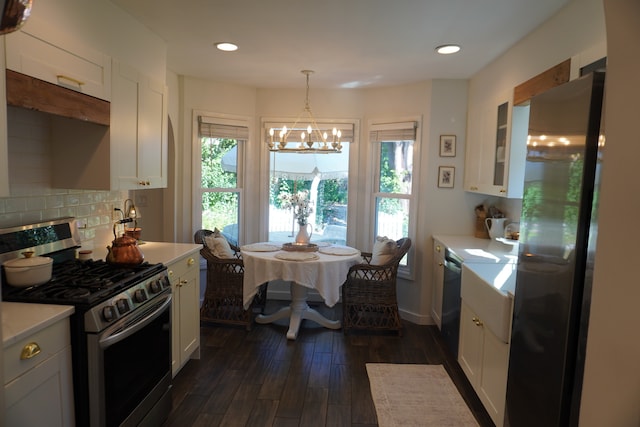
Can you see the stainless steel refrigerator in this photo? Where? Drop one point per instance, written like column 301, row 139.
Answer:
column 556, row 252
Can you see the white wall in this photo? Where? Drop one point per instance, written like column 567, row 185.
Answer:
column 362, row 106
column 611, row 391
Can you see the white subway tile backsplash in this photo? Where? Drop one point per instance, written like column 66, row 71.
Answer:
column 32, row 197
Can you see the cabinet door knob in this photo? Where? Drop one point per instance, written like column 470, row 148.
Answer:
column 191, row 261
column 438, row 248
column 30, row 350
column 477, row 321
column 440, row 264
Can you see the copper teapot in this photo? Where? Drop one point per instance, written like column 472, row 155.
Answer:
column 124, row 250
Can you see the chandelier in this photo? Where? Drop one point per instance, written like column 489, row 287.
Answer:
column 311, row 140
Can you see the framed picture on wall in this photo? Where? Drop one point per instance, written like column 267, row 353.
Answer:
column 447, row 145
column 446, row 176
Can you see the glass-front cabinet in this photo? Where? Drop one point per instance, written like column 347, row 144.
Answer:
column 496, row 147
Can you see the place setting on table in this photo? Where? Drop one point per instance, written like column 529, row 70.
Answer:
column 322, row 266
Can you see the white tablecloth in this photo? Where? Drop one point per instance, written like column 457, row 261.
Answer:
column 326, row 274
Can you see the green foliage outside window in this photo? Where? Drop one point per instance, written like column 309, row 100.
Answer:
column 219, row 209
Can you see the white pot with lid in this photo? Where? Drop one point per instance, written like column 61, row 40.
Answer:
column 28, row 271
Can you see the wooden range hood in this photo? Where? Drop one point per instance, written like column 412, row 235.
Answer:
column 34, row 94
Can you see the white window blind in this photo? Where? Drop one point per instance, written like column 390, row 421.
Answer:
column 403, row 131
column 222, row 128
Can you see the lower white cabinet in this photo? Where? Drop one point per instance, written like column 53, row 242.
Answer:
column 438, row 282
column 484, row 358
column 38, row 387
column 184, row 274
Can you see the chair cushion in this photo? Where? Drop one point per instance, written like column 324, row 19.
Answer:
column 219, row 245
column 384, row 249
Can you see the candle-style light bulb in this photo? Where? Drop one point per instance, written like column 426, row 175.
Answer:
column 271, row 132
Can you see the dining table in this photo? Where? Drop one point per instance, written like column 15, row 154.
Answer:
column 322, row 267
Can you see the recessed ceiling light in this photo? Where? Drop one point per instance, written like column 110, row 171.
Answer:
column 447, row 49
column 226, row 46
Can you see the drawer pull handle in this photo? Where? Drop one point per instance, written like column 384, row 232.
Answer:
column 29, row 351
column 183, row 282
column 191, row 261
column 71, row 79
column 477, row 321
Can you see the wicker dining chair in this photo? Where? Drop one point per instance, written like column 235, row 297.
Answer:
column 223, row 298
column 369, row 300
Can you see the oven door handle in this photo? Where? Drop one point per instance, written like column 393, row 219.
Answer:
column 127, row 327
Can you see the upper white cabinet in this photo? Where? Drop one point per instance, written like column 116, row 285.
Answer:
column 138, row 130
column 129, row 154
column 496, row 147
column 76, row 67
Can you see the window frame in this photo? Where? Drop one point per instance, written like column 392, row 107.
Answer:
column 196, row 169
column 404, row 271
column 265, row 161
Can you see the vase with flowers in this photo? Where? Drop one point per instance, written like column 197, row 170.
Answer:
column 301, row 206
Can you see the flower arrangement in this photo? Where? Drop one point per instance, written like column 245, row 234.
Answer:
column 300, row 204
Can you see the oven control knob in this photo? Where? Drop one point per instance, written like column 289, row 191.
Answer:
column 123, row 305
column 108, row 313
column 139, row 295
column 155, row 286
column 166, row 282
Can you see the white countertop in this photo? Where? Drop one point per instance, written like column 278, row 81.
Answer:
column 158, row 252
column 476, row 250
column 155, row 252
column 20, row 320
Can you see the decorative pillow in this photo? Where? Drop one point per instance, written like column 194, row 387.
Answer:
column 384, row 249
column 219, row 245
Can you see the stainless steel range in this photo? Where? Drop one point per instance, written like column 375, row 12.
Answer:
column 120, row 331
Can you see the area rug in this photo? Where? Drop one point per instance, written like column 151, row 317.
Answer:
column 416, row 395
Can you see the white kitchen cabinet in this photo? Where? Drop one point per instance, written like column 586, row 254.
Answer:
column 38, row 387
column 130, row 154
column 71, row 65
column 484, row 358
column 496, row 147
column 184, row 274
column 438, row 282
column 138, row 130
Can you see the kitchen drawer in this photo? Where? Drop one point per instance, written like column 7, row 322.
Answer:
column 85, row 70
column 51, row 340
column 183, row 266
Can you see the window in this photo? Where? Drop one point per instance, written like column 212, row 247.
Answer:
column 324, row 179
column 393, row 181
column 218, row 172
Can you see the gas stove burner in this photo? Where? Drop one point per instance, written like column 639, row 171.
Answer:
column 71, row 293
column 83, row 282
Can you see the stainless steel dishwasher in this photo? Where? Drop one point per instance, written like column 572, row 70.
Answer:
column 451, row 301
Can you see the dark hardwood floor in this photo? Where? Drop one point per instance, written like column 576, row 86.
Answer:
column 259, row 378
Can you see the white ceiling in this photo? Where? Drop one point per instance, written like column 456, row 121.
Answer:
column 348, row 43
